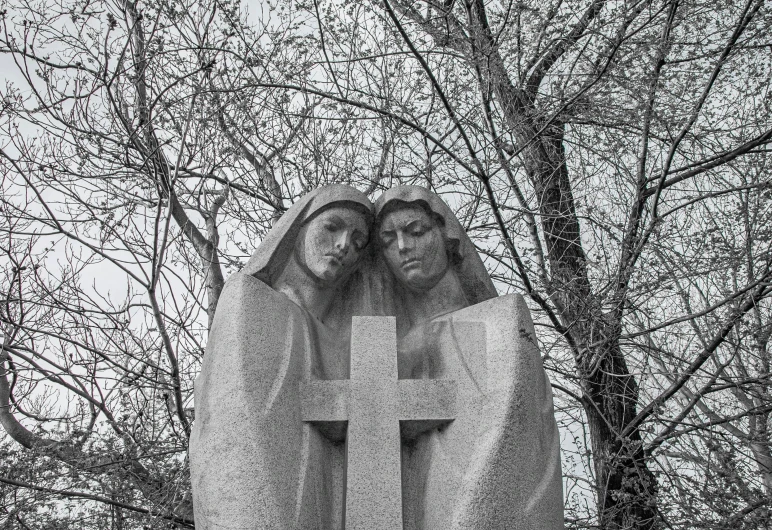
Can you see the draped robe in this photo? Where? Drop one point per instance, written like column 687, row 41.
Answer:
column 254, row 464
column 497, row 465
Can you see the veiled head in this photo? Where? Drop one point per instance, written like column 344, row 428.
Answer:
column 326, row 230
column 413, row 244
column 433, row 237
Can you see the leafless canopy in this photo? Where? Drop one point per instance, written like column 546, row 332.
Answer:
column 610, row 158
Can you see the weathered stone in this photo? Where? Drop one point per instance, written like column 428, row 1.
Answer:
column 254, row 463
column 374, row 403
column 497, row 465
column 438, row 417
column 247, row 440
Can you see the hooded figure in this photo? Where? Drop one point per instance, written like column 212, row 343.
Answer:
column 291, row 261
column 434, row 266
column 282, row 320
column 497, row 464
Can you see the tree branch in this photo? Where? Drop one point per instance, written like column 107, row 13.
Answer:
column 187, row 523
column 557, row 50
column 758, row 294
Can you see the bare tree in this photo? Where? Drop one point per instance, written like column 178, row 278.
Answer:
column 665, row 100
column 119, row 163
column 609, row 158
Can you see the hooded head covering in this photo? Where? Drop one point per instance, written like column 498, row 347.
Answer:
column 463, row 257
column 270, row 258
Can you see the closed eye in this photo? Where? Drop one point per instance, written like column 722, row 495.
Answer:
column 417, row 228
column 387, row 238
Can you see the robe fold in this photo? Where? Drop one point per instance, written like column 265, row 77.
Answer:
column 254, row 464
column 497, row 465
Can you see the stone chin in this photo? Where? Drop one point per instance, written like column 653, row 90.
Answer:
column 330, row 271
column 416, row 280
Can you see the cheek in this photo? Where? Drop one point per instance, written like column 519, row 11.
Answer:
column 352, row 256
column 315, row 249
column 392, row 257
column 435, row 254
column 321, row 240
column 428, row 247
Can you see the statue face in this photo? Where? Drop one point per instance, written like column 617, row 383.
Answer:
column 413, row 246
column 332, row 243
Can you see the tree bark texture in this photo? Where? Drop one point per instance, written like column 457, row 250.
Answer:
column 626, row 487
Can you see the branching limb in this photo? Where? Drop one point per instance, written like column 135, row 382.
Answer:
column 187, row 523
column 761, row 292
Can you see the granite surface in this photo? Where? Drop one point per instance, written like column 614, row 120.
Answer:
column 362, row 373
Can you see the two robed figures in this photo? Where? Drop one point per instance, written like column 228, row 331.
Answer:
column 285, row 320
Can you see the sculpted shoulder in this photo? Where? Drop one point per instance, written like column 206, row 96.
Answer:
column 500, row 307
column 244, row 297
column 242, row 288
column 239, row 284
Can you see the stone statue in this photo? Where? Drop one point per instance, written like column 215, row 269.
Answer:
column 437, row 415
column 284, row 319
column 497, row 465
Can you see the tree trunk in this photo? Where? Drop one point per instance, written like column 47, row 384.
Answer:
column 626, row 487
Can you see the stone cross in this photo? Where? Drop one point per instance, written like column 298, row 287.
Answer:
column 375, row 404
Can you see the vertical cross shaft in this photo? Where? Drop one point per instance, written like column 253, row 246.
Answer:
column 373, row 402
column 373, row 473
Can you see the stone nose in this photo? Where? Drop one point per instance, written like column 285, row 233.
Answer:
column 403, row 242
column 343, row 242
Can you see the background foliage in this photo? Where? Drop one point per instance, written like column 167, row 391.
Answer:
column 610, row 158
